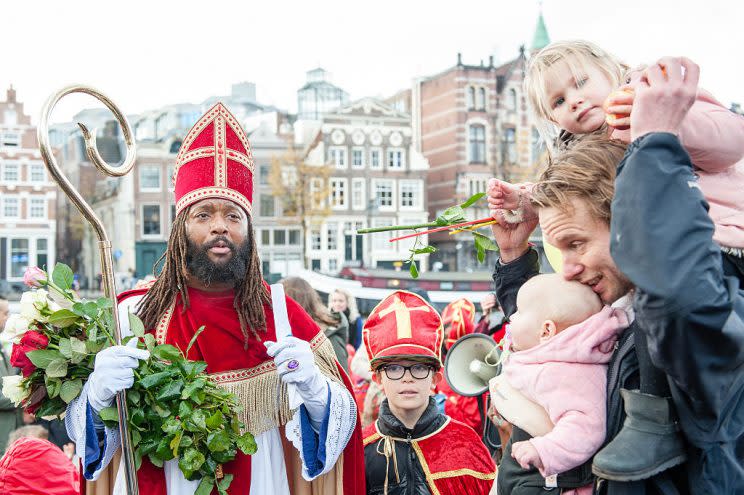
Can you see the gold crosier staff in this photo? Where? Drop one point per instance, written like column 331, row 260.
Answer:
column 104, row 245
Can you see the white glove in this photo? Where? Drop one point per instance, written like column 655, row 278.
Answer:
column 295, row 363
column 113, row 372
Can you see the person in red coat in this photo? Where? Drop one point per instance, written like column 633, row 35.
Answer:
column 411, row 447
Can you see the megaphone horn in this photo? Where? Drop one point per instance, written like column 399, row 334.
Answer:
column 471, row 362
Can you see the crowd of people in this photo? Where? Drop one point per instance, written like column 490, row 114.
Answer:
column 621, row 374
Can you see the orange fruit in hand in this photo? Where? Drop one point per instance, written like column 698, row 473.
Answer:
column 611, row 118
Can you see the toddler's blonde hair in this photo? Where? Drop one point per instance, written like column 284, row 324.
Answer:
column 579, row 55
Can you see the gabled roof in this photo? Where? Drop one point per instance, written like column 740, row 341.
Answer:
column 368, row 107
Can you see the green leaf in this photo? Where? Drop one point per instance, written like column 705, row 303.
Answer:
column 481, row 253
column 170, row 391
column 191, row 460
column 485, row 242
column 62, row 276
column 110, row 414
column 246, row 443
column 413, row 270
column 424, row 250
column 193, row 339
column 136, row 437
column 226, row 456
column 167, row 352
column 197, row 421
column 57, row 368
column 155, row 379
column 133, row 396
column 53, row 385
column 136, row 325
column 218, row 441
column 192, row 387
column 65, row 348
column 184, row 409
column 104, row 303
column 149, row 341
column 51, row 407
column 215, row 420
column 71, row 389
column 164, row 451
column 224, row 484
column 206, row 485
column 157, row 461
column 63, row 318
column 79, row 350
column 176, row 442
column 453, row 214
column 472, row 199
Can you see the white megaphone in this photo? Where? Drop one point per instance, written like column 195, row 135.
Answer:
column 471, row 362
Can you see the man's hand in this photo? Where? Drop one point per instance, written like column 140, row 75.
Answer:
column 526, row 455
column 488, row 303
column 663, row 96
column 512, row 238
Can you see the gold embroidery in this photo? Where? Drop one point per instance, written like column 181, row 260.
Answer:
column 220, row 192
column 220, row 145
column 464, row 472
column 371, row 438
column 425, row 467
column 402, row 316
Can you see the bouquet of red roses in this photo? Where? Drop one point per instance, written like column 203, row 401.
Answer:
column 175, row 410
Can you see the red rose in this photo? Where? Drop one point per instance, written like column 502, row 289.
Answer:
column 31, row 341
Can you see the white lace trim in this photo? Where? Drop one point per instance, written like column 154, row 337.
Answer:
column 341, row 422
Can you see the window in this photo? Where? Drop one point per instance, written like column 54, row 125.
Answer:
column 37, row 172
column 476, row 186
column 11, row 172
column 411, row 193
column 265, row 237
column 42, row 254
column 381, row 241
column 357, row 158
column 10, row 207
column 477, row 136
column 481, row 102
column 280, row 237
column 374, row 158
column 10, row 139
column 266, row 205
column 38, row 208
column 150, row 178
column 315, row 241
column 332, row 265
column 11, row 117
column 357, row 194
column 151, row 220
column 509, row 146
column 384, row 193
column 263, row 175
column 18, row 257
column 338, row 193
column 332, row 234
column 316, row 193
column 511, row 104
column 294, row 237
column 395, row 159
column 470, row 98
column 338, row 157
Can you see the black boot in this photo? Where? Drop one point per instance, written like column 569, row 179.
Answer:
column 648, row 443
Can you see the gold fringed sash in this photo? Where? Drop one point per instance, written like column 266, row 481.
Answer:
column 261, row 393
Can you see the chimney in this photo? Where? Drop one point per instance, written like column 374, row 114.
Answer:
column 11, row 95
column 490, row 60
column 459, row 59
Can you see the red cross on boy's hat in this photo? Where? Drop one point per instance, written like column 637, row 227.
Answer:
column 403, row 325
column 215, row 161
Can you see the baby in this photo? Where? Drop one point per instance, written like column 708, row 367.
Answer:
column 561, row 339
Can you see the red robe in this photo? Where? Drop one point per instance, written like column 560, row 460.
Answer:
column 221, row 346
column 454, row 459
column 461, row 408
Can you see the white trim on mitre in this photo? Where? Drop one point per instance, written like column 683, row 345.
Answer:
column 213, row 192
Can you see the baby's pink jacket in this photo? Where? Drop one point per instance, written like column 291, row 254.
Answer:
column 567, row 376
column 714, row 137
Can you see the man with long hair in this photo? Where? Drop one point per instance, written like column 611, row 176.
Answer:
column 211, row 277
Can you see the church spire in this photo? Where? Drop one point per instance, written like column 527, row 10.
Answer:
column 541, row 39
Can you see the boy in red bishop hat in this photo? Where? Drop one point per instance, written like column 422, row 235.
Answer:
column 412, row 448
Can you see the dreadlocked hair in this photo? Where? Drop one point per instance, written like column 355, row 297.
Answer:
column 250, row 293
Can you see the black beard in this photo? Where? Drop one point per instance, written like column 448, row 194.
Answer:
column 207, row 271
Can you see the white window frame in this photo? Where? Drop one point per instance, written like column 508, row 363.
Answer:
column 316, row 240
column 357, row 186
column 401, row 165
column 331, row 227
column 17, row 199
column 360, row 150
column 381, row 240
column 338, row 156
column 417, row 189
column 380, row 206
column 150, row 166
column 316, row 186
column 39, row 167
column 380, row 158
column 339, row 201
column 17, row 141
column 142, row 220
column 17, row 166
column 44, row 207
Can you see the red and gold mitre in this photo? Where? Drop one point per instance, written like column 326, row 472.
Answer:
column 461, row 305
column 403, row 325
column 215, row 161
column 460, row 326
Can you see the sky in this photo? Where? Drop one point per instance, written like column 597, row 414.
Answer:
column 147, row 54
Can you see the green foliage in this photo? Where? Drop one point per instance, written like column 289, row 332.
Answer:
column 62, row 276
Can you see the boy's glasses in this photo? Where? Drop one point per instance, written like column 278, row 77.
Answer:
column 396, row 371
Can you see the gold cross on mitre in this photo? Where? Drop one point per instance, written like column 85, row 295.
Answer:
column 402, row 316
column 462, row 304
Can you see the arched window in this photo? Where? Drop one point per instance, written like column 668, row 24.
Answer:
column 471, row 98
column 477, row 138
column 509, row 146
column 512, row 103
